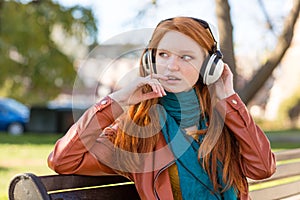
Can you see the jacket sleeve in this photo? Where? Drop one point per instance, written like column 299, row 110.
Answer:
column 258, row 161
column 73, row 153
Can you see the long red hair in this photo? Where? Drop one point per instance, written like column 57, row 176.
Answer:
column 219, row 144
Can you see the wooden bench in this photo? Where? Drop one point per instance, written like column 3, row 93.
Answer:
column 285, row 183
column 64, row 187
column 28, row 186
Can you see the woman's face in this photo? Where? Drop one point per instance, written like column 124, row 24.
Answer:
column 179, row 58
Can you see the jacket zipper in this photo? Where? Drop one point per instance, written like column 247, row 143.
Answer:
column 156, row 177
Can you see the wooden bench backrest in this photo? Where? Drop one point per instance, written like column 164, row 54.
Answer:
column 284, row 171
column 64, row 187
column 59, row 187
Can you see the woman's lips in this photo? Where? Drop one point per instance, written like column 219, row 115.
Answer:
column 172, row 79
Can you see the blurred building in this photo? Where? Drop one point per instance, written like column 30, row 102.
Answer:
column 105, row 69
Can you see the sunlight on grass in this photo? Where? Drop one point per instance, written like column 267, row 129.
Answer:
column 15, row 159
column 26, row 153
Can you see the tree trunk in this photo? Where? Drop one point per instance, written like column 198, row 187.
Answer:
column 226, row 37
column 225, row 27
column 1, row 7
column 284, row 40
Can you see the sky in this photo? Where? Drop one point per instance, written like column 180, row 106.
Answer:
column 118, row 16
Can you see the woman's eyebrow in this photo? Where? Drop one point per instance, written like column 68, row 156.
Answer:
column 180, row 52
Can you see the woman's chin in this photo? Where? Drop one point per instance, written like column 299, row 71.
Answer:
column 174, row 89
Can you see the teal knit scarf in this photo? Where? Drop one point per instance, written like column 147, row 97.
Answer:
column 179, row 111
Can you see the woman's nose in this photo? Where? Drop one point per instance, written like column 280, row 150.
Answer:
column 173, row 63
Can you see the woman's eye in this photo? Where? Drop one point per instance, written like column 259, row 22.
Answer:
column 163, row 54
column 186, row 57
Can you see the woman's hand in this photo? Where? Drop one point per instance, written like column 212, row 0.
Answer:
column 133, row 94
column 224, row 85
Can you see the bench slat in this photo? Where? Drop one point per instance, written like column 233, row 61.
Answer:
column 287, row 154
column 286, row 170
column 282, row 171
column 277, row 192
column 124, row 192
column 61, row 182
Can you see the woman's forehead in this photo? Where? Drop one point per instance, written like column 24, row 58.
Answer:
column 178, row 42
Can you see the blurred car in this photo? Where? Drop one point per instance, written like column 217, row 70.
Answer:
column 14, row 116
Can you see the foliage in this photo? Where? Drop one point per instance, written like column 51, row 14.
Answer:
column 33, row 68
column 287, row 104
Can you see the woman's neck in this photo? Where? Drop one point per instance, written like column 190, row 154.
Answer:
column 183, row 107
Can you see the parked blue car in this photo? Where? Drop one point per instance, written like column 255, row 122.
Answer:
column 14, row 116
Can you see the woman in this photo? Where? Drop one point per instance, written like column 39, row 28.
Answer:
column 186, row 133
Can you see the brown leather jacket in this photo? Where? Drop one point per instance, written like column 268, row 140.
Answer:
column 86, row 148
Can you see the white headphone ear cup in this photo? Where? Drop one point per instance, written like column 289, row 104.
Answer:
column 204, row 67
column 213, row 70
column 145, row 62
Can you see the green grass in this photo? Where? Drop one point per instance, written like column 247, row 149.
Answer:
column 29, row 138
column 26, row 153
column 278, row 146
column 29, row 152
column 284, row 139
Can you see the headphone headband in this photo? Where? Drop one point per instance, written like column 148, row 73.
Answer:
column 206, row 25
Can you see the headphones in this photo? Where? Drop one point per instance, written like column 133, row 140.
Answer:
column 212, row 66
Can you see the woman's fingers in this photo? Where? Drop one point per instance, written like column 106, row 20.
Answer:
column 133, row 93
column 224, row 86
column 160, row 77
column 227, row 72
column 156, row 87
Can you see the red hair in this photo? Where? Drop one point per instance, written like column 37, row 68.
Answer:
column 219, row 144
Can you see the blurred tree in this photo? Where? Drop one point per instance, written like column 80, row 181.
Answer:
column 248, row 90
column 289, row 110
column 34, row 69
column 261, row 76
